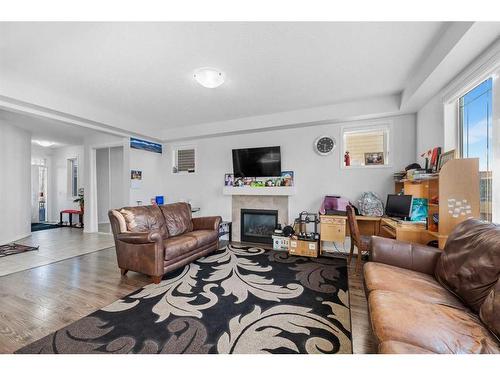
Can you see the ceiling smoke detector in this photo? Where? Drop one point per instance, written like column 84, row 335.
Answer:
column 209, row 77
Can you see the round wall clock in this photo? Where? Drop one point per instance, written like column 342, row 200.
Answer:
column 324, row 145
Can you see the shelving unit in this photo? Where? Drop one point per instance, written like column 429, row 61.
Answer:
column 457, row 191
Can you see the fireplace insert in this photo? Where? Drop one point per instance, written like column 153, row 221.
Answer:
column 258, row 225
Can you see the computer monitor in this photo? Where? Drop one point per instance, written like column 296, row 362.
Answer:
column 398, row 205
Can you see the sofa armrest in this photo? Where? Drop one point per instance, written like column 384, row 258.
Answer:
column 407, row 255
column 207, row 223
column 140, row 238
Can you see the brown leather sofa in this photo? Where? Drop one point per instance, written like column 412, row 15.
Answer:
column 157, row 239
column 423, row 300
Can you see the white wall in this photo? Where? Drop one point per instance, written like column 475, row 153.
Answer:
column 60, row 196
column 315, row 176
column 102, row 171
column 152, row 165
column 91, row 144
column 154, row 168
column 15, row 183
column 116, row 178
column 110, row 180
column 430, row 127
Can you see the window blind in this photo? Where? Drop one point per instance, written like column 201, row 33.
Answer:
column 186, row 160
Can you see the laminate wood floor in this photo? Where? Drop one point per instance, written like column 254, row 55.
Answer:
column 42, row 300
column 54, row 245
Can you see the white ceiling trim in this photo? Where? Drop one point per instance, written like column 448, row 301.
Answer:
column 381, row 106
column 17, row 106
column 459, row 46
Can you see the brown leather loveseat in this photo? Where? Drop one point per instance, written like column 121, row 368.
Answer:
column 157, row 239
column 423, row 300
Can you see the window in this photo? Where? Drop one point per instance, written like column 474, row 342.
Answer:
column 73, row 177
column 475, row 130
column 366, row 147
column 184, row 160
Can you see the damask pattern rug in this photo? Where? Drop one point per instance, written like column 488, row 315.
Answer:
column 236, row 300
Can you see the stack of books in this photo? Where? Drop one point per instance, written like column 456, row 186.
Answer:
column 420, row 174
column 398, row 176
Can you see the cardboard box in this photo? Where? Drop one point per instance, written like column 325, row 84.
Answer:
column 303, row 248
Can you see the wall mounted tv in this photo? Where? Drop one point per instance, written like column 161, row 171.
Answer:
column 257, row 162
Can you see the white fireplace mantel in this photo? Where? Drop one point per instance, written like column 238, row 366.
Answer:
column 250, row 190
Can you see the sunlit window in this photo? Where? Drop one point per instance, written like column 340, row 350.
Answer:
column 365, row 147
column 476, row 138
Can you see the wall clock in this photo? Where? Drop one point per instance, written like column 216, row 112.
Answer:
column 324, row 145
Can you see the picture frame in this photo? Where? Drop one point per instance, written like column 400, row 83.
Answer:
column 374, row 158
column 135, row 179
column 228, row 179
column 287, row 178
column 444, row 158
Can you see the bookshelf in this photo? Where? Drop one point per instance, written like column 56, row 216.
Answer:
column 453, row 194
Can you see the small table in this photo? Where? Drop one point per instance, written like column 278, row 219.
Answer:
column 225, row 227
column 71, row 213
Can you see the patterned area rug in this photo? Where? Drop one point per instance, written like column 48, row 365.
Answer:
column 236, row 300
column 15, row 248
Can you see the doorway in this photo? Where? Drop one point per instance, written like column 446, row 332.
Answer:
column 109, row 180
column 39, row 180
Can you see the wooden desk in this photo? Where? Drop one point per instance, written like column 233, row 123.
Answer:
column 334, row 228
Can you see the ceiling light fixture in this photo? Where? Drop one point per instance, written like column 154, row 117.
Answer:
column 209, row 77
column 44, row 143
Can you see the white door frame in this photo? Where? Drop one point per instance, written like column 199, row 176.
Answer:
column 91, row 213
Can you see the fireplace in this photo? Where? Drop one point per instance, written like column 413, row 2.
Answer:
column 258, row 225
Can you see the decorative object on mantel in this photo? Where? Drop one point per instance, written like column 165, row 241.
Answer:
column 324, row 145
column 285, row 180
column 14, row 248
column 247, row 181
column 228, row 179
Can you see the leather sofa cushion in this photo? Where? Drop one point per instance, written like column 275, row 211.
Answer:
column 177, row 218
column 204, row 237
column 433, row 327
column 470, row 264
column 490, row 310
column 144, row 219
column 421, row 286
column 397, row 347
column 179, row 245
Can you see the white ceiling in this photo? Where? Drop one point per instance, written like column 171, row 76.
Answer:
column 43, row 129
column 143, row 71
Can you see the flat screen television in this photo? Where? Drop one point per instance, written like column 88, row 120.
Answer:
column 257, row 162
column 398, row 206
